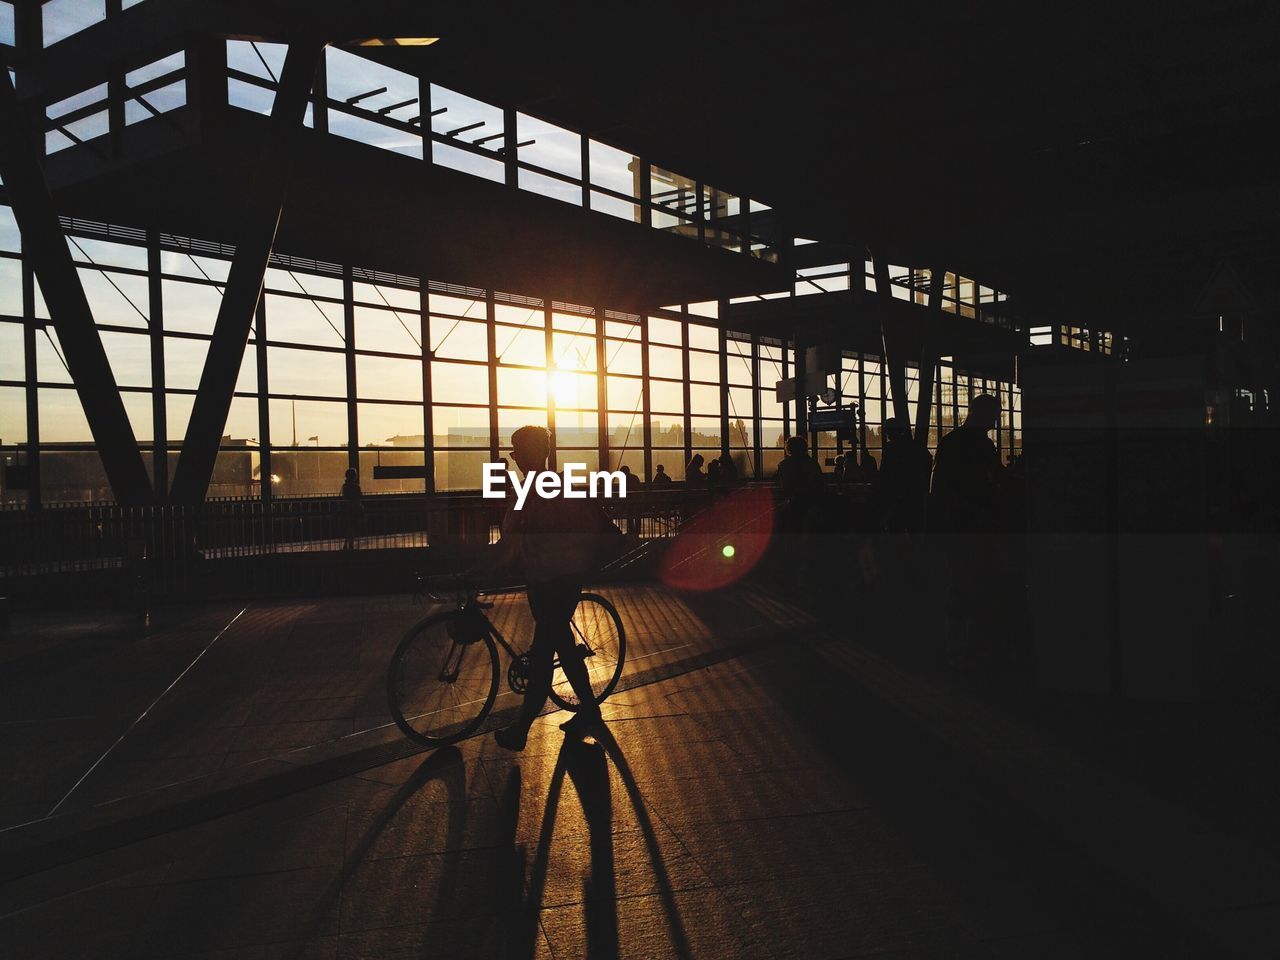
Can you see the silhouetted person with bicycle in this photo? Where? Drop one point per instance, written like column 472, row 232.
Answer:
column 964, row 507
column 556, row 541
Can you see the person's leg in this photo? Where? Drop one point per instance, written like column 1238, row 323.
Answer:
column 571, row 661
column 535, row 695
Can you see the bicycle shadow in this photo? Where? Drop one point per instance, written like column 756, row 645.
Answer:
column 445, row 765
column 587, row 766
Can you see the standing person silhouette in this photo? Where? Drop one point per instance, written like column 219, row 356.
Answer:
column 964, row 506
column 556, row 540
column 352, row 509
column 693, row 473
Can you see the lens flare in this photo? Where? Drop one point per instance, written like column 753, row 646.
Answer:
column 736, row 528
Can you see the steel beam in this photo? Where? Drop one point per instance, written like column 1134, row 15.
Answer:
column 929, row 355
column 264, row 204
column 45, row 248
column 895, row 363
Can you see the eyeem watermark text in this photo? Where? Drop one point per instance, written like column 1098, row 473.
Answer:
column 576, row 484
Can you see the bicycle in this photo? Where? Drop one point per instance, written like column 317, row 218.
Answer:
column 443, row 678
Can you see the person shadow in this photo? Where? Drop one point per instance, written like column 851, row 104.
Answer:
column 587, row 766
column 444, row 767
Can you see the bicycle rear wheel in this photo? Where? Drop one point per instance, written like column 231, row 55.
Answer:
column 602, row 643
column 443, row 678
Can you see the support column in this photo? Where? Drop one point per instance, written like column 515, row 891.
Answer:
column 428, row 417
column 602, row 393
column 894, row 361
column 45, row 248
column 724, row 389
column 159, row 409
column 32, row 392
column 929, row 355
column 257, row 234
column 549, row 340
column 491, row 334
column 349, row 355
column 799, row 372
column 645, row 403
column 757, row 439
column 684, row 370
column 265, row 491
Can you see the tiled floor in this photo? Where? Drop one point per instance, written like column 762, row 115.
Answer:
column 758, row 804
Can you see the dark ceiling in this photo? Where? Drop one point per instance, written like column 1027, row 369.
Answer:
column 1096, row 158
column 1091, row 157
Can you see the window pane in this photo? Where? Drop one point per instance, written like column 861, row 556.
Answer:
column 553, row 148
column 388, row 378
column 308, row 423
column 385, row 295
column 13, row 416
column 307, row 372
column 666, row 362
column 12, row 363
column 130, row 357
column 509, row 421
column 116, row 298
column 623, row 393
column 664, row 331
column 666, row 396
column 574, row 390
column 307, row 473
column 459, row 339
column 460, row 426
column 466, row 307
column 622, row 356
column 614, row 169
column 667, row 431
column 522, row 388
column 299, row 281
column 300, row 320
column 523, row 346
column 391, row 457
column 388, row 331
column 704, row 399
column 62, row 18
column 389, row 425
column 704, row 366
column 574, row 352
column 241, row 428
column 190, row 307
column 704, row 431
column 50, row 360
column 62, row 419
column 10, row 286
column 460, row 469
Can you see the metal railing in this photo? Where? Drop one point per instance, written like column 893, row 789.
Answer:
column 163, row 550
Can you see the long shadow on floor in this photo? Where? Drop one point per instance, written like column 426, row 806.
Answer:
column 587, row 766
column 941, row 805
column 445, row 765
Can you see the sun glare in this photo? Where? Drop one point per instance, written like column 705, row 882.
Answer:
column 563, row 388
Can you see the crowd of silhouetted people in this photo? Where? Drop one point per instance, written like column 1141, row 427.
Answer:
column 950, row 508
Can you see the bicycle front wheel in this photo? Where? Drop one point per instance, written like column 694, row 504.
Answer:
column 601, row 642
column 443, row 679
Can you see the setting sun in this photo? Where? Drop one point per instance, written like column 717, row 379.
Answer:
column 563, row 388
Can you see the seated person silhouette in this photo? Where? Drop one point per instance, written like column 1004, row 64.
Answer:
column 660, row 475
column 556, row 542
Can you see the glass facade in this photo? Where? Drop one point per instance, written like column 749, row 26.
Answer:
column 347, row 366
column 414, row 381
